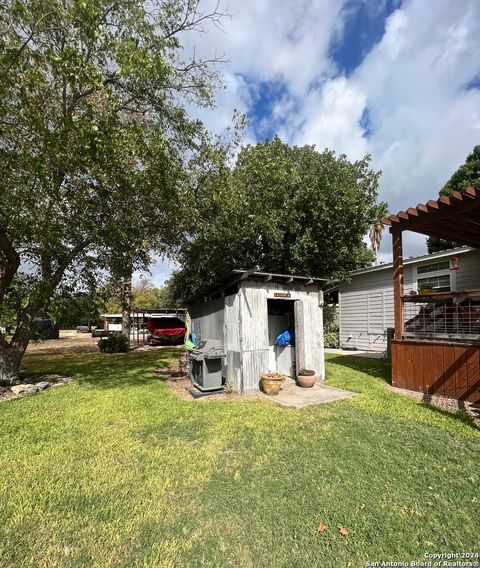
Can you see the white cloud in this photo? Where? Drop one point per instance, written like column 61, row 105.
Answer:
column 329, row 118
column 268, row 41
column 424, row 122
column 422, row 119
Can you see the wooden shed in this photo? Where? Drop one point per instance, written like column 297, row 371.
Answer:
column 436, row 348
column 248, row 312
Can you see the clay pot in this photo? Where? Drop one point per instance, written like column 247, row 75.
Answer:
column 306, row 378
column 271, row 383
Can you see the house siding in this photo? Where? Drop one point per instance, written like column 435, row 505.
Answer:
column 366, row 302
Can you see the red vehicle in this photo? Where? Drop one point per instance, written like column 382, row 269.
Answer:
column 165, row 330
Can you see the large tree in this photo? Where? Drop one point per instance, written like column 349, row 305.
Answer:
column 467, row 174
column 281, row 208
column 93, row 120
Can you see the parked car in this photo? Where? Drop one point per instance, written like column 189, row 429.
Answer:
column 100, row 332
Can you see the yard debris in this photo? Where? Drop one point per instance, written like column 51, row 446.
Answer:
column 322, row 527
column 342, row 531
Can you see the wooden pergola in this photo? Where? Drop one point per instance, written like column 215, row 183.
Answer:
column 456, row 218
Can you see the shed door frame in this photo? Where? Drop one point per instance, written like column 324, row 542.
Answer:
column 299, row 338
column 292, row 303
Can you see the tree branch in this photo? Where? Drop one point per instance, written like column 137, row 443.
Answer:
column 24, row 45
column 12, row 259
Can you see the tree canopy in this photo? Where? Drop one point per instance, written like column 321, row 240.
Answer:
column 95, row 134
column 467, row 174
column 285, row 209
column 145, row 296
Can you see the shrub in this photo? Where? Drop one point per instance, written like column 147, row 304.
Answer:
column 331, row 330
column 114, row 343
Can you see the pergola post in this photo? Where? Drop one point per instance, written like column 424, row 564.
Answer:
column 398, row 280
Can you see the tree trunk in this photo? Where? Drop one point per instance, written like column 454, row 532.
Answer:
column 126, row 306
column 11, row 354
column 10, row 358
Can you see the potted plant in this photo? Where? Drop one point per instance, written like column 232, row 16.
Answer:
column 306, row 378
column 271, row 383
column 425, row 289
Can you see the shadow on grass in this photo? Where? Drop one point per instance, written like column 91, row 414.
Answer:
column 373, row 367
column 105, row 371
column 459, row 414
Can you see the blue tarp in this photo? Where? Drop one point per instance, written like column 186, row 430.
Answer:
column 285, row 338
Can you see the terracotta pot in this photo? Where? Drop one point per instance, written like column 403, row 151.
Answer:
column 306, row 381
column 271, row 384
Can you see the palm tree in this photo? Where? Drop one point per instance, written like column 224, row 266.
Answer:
column 375, row 231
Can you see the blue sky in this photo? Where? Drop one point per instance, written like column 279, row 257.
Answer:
column 398, row 79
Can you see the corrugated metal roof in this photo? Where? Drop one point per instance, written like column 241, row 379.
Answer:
column 274, row 276
column 238, row 275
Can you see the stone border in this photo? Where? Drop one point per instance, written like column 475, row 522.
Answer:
column 33, row 385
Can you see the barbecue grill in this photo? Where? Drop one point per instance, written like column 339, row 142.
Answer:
column 206, row 365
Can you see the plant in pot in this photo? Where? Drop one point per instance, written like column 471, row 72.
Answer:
column 425, row 288
column 306, row 378
column 271, row 383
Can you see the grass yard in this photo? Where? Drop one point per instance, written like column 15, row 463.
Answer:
column 114, row 470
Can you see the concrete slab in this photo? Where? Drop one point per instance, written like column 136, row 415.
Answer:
column 294, row 396
column 367, row 354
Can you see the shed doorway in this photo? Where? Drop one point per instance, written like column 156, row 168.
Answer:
column 281, row 317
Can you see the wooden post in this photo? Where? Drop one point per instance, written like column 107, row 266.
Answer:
column 397, row 281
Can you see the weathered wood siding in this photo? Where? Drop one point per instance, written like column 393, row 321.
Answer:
column 232, row 342
column 240, row 321
column 366, row 302
column 445, row 369
column 207, row 319
column 254, row 328
column 253, row 333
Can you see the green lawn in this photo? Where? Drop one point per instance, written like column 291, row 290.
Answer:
column 114, row 470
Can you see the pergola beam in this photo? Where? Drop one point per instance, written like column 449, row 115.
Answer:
column 398, row 281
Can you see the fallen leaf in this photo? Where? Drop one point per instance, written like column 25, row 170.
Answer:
column 322, row 527
column 362, row 506
column 342, row 531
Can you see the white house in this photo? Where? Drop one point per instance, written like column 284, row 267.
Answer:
column 366, row 301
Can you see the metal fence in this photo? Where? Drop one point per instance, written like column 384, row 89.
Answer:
column 449, row 316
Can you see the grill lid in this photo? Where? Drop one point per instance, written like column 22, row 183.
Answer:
column 207, row 348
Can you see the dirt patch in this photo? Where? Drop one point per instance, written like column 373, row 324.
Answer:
column 179, row 383
column 450, row 404
column 69, row 342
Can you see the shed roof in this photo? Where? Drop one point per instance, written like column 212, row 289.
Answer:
column 284, row 278
column 237, row 276
column 455, row 217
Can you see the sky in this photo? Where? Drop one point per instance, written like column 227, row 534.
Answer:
column 399, row 80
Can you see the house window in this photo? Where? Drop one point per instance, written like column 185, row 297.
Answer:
column 437, row 275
